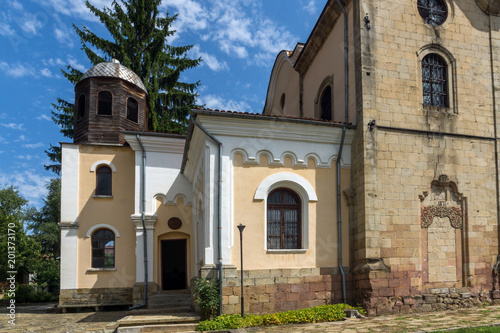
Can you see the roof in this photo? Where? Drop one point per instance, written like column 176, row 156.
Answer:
column 114, row 69
column 250, row 115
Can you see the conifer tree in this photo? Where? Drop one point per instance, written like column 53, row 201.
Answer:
column 139, row 41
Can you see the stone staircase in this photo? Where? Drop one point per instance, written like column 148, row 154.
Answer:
column 168, row 311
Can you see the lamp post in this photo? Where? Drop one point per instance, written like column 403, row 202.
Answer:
column 240, row 228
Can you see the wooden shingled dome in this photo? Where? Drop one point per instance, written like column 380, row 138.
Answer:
column 109, row 99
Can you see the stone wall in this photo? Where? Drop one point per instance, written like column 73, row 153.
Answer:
column 275, row 290
column 94, row 297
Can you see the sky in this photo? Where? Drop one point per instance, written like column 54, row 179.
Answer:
column 238, row 41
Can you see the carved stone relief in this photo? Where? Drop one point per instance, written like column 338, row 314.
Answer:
column 442, row 201
column 442, row 218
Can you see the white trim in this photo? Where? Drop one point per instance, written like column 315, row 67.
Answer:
column 70, row 164
column 69, row 257
column 289, row 180
column 102, row 225
column 102, row 162
column 306, row 193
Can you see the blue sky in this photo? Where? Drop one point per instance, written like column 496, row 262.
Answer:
column 237, row 39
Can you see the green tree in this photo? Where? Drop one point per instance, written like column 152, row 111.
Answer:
column 44, row 222
column 46, row 233
column 14, row 242
column 139, row 41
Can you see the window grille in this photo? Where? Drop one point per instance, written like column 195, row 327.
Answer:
column 434, row 80
column 434, row 12
column 103, row 249
column 103, row 181
column 283, row 220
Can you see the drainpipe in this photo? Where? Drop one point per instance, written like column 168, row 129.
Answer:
column 143, row 218
column 219, row 201
column 339, row 156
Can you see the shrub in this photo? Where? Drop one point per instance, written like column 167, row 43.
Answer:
column 28, row 294
column 311, row 315
column 206, row 293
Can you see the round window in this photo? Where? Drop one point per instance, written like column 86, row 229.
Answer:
column 434, row 12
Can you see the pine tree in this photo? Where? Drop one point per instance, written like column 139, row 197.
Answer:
column 139, row 35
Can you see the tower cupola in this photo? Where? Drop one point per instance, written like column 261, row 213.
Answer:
column 109, row 98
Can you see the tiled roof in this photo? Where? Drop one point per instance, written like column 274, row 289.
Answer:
column 114, row 69
column 256, row 115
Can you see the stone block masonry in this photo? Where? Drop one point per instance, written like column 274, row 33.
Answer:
column 276, row 290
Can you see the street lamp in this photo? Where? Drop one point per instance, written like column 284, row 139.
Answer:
column 240, row 228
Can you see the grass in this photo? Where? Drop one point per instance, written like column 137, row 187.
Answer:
column 483, row 329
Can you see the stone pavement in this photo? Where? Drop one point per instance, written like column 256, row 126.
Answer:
column 34, row 319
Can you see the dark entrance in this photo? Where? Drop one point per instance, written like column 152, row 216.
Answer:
column 173, row 264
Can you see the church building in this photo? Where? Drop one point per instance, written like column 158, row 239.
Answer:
column 370, row 177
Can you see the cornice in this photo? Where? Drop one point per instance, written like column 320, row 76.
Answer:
column 68, row 225
column 153, row 143
column 269, row 129
column 149, row 220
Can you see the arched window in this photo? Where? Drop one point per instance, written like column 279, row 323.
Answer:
column 132, row 109
column 105, row 103
column 103, row 249
column 435, row 80
column 103, row 180
column 81, row 106
column 283, row 220
column 326, row 104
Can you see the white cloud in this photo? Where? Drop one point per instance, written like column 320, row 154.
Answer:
column 14, row 126
column 21, row 138
column 5, row 29
column 31, row 23
column 54, row 62
column 46, row 72
column 30, row 185
column 240, row 28
column 310, row 7
column 191, row 13
column 75, row 64
column 17, row 70
column 25, row 157
column 43, row 117
column 33, row 145
column 210, row 60
column 62, row 33
column 16, row 5
column 76, row 8
column 217, row 102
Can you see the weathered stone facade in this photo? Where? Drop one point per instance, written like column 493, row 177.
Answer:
column 275, row 290
column 94, row 297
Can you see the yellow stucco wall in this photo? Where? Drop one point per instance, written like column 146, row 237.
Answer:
column 287, row 82
column 330, row 61
column 114, row 211
column 164, row 232
column 322, row 220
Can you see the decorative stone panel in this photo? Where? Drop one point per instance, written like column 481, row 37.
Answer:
column 442, row 221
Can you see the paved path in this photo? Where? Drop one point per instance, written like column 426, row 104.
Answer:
column 34, row 319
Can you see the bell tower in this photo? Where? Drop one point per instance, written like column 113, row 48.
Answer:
column 109, row 99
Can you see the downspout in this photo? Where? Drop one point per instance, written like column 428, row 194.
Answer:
column 219, row 201
column 143, row 218
column 339, row 157
column 492, row 64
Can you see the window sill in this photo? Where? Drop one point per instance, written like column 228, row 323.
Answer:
column 102, row 196
column 104, row 269
column 286, row 251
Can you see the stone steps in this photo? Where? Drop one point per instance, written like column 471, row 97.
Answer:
column 169, row 301
column 168, row 311
column 180, row 322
